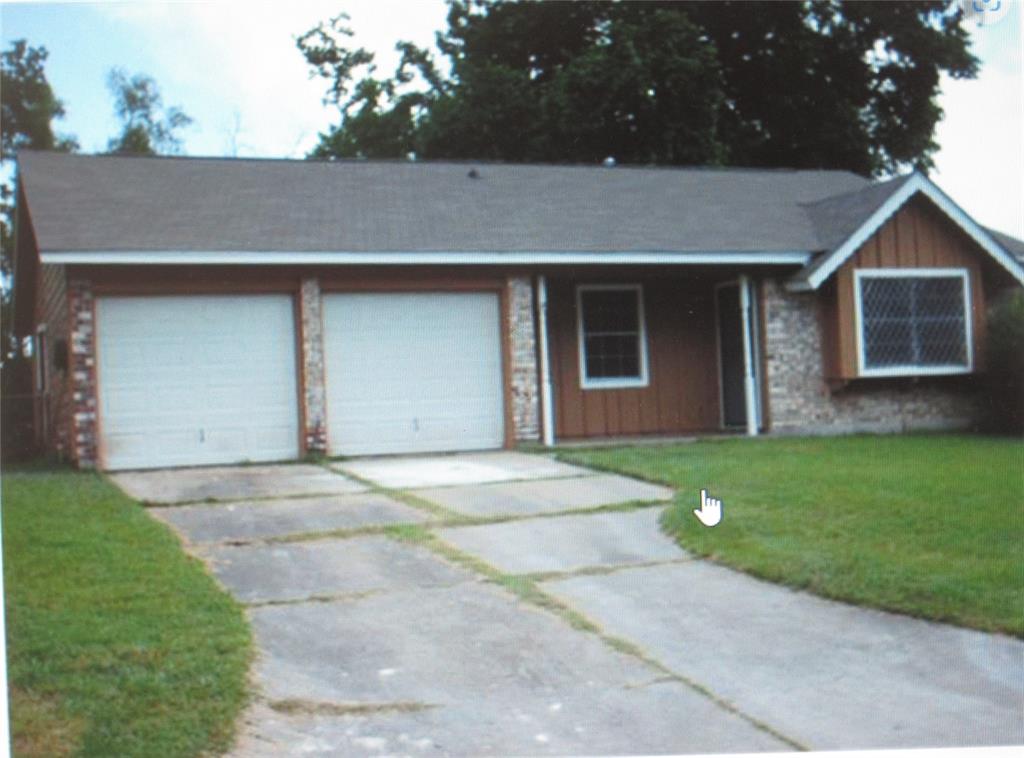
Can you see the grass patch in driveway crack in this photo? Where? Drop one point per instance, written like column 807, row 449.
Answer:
column 299, row 706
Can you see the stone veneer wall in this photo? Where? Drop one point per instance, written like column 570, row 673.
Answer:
column 523, row 348
column 801, row 402
column 83, row 374
column 314, row 387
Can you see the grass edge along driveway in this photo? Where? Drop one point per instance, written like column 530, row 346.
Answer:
column 926, row 525
column 118, row 643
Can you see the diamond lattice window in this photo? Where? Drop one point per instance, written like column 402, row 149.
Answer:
column 914, row 324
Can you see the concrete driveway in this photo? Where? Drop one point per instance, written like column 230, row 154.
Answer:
column 504, row 603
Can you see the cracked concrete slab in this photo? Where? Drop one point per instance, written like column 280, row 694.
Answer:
column 664, row 718
column 568, row 543
column 832, row 676
column 249, row 520
column 167, row 486
column 533, row 497
column 326, row 568
column 448, row 470
column 508, row 679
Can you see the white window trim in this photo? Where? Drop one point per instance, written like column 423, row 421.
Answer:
column 607, row 383
column 912, row 273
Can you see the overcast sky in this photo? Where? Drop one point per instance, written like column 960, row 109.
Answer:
column 235, row 69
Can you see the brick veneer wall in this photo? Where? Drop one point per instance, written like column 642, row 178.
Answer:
column 801, row 402
column 314, row 387
column 523, row 349
column 83, row 374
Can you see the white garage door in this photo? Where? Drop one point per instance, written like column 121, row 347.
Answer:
column 413, row 372
column 196, row 380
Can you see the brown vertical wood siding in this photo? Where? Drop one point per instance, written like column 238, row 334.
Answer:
column 919, row 235
column 682, row 393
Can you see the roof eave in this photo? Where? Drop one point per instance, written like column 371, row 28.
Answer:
column 420, row 258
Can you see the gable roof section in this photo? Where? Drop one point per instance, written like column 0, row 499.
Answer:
column 182, row 210
column 837, row 224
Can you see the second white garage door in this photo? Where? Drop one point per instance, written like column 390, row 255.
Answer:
column 413, row 372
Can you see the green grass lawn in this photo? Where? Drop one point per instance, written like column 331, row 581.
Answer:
column 118, row 644
column 931, row 526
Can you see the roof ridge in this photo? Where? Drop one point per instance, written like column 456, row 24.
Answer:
column 870, row 186
column 441, row 162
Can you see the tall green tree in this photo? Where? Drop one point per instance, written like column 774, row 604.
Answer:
column 147, row 126
column 821, row 83
column 28, row 108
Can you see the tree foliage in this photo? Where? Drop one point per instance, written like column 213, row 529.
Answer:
column 28, row 106
column 148, row 128
column 822, row 83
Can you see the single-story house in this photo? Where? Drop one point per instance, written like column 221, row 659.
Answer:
column 189, row 311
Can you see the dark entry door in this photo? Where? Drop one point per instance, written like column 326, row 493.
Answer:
column 730, row 355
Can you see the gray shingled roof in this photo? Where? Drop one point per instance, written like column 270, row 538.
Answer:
column 1012, row 244
column 836, row 218
column 107, row 203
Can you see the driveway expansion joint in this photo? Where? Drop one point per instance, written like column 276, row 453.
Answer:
column 255, row 499
column 528, row 591
column 549, row 576
column 518, row 480
column 300, row 706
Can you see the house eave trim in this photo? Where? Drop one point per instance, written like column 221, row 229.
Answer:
column 292, row 258
column 818, row 272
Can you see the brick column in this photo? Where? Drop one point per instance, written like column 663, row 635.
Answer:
column 315, row 397
column 523, row 343
column 84, row 442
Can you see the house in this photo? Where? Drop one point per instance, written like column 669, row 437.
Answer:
column 190, row 311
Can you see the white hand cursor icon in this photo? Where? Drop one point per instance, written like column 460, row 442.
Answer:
column 710, row 512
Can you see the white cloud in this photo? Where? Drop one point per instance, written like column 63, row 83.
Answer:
column 225, row 58
column 981, row 159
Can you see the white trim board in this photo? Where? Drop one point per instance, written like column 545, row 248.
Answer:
column 408, row 258
column 816, row 274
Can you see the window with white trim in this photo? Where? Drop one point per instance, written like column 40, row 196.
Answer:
column 612, row 338
column 913, row 321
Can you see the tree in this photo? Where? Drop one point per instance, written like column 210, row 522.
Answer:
column 28, row 108
column 821, row 83
column 28, row 105
column 148, row 127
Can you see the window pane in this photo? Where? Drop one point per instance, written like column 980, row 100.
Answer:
column 610, row 311
column 611, row 334
column 886, row 298
column 888, row 342
column 913, row 321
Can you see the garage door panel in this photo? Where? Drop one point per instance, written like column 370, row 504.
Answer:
column 195, row 380
column 413, row 372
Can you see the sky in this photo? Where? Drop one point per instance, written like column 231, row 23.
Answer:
column 235, row 69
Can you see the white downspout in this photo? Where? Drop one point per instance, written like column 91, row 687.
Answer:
column 546, row 408
column 748, row 358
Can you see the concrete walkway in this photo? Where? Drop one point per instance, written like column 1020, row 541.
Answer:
column 376, row 590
